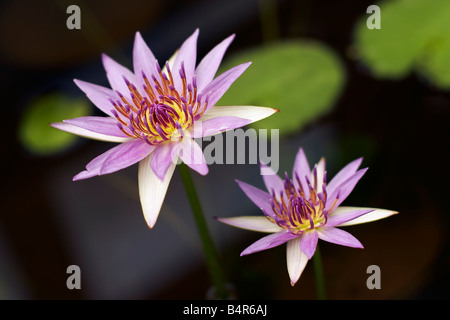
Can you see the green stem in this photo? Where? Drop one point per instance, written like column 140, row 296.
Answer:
column 212, row 260
column 318, row 272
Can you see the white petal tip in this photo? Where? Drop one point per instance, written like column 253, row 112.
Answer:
column 151, row 218
column 151, row 224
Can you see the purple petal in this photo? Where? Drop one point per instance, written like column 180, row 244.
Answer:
column 187, row 56
column 260, row 198
column 345, row 173
column 271, row 180
column 301, row 169
column 85, row 175
column 217, row 88
column 308, row 243
column 115, row 73
column 338, row 236
column 117, row 158
column 217, row 125
column 86, row 133
column 98, row 95
column 207, row 68
column 192, row 155
column 143, row 60
column 344, row 189
column 269, row 241
column 345, row 214
column 165, row 154
column 103, row 125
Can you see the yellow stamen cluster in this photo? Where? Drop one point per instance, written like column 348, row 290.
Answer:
column 296, row 211
column 160, row 112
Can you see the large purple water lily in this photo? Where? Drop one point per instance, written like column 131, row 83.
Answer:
column 155, row 113
column 304, row 209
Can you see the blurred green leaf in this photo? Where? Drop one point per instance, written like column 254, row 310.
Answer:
column 35, row 133
column 414, row 35
column 300, row 78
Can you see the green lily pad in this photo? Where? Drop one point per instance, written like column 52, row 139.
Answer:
column 413, row 37
column 300, row 78
column 35, row 133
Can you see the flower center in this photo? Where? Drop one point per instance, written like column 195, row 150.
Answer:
column 159, row 112
column 296, row 211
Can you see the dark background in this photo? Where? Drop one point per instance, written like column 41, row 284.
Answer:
column 47, row 222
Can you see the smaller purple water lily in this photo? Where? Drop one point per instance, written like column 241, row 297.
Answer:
column 304, row 209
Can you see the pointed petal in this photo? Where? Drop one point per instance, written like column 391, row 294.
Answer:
column 84, row 175
column 104, row 125
column 296, row 260
column 320, row 169
column 165, row 154
column 152, row 190
column 345, row 214
column 117, row 158
column 301, row 169
column 272, row 181
column 216, row 125
column 223, row 118
column 338, row 236
column 372, row 215
column 143, row 60
column 216, row 88
column 260, row 198
column 86, row 133
column 270, row 241
column 207, row 68
column 344, row 189
column 170, row 62
column 345, row 173
column 187, row 55
column 251, row 113
column 115, row 73
column 125, row 155
column 192, row 155
column 134, row 152
column 98, row 95
column 253, row 223
column 308, row 243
